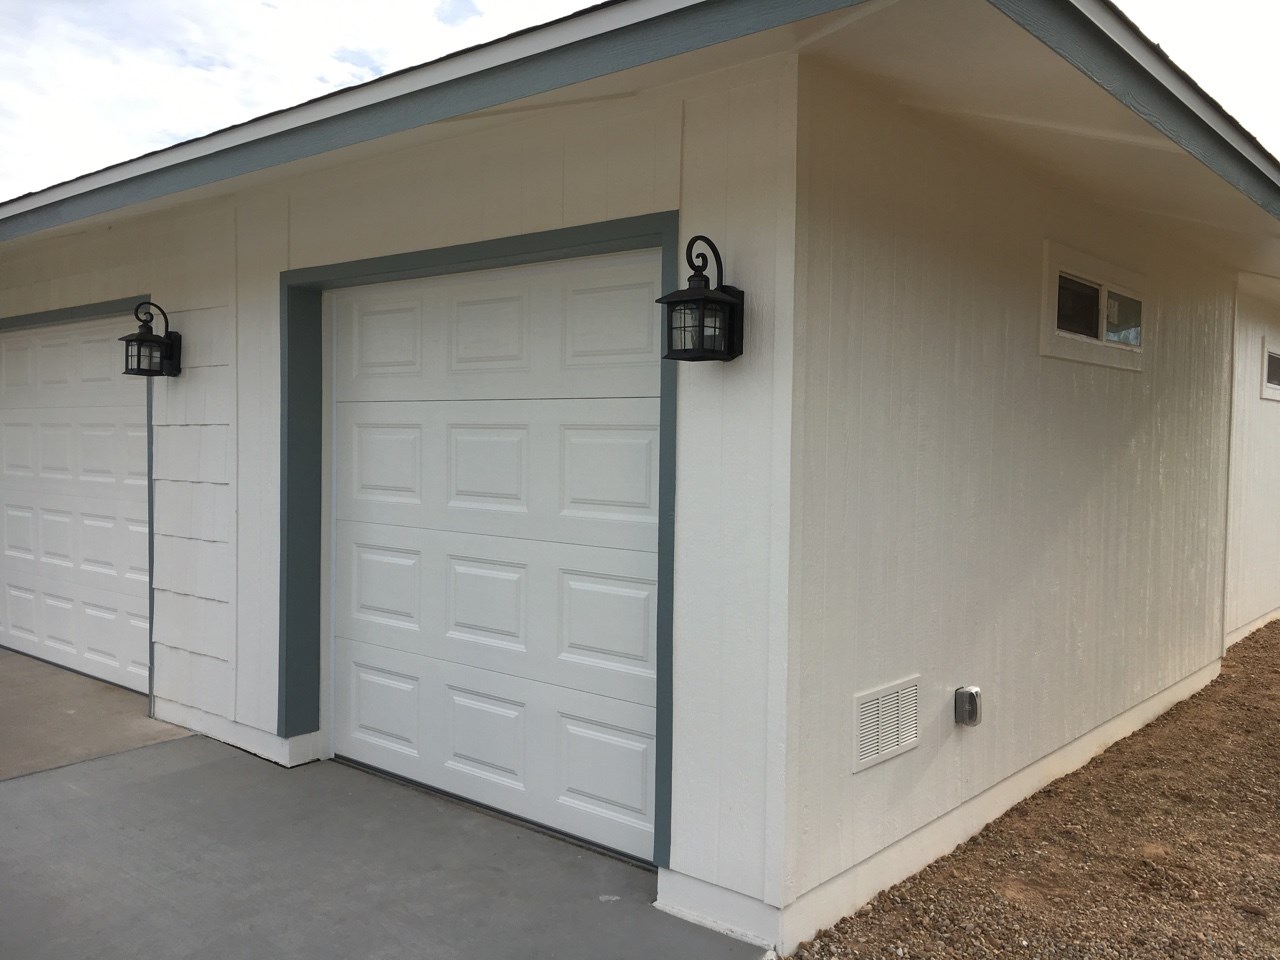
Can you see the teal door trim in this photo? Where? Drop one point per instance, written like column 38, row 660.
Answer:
column 302, row 446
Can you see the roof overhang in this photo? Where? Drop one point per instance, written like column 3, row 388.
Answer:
column 1097, row 39
column 1161, row 107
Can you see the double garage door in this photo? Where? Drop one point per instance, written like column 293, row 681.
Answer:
column 73, row 444
column 495, row 506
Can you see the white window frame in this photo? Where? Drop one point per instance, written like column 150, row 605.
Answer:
column 1059, row 259
column 1270, row 345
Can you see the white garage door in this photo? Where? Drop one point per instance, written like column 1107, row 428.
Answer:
column 495, row 538
column 74, row 488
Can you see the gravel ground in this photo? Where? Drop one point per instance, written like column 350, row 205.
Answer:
column 1165, row 845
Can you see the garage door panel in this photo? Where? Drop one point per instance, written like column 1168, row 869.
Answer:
column 579, row 617
column 490, row 328
column 582, row 328
column 495, row 537
column 569, row 759
column 17, row 368
column 384, row 698
column 565, row 471
column 73, row 499
column 101, row 632
column 609, row 319
column 93, row 543
column 382, row 583
column 608, row 626
column 65, row 365
column 79, row 451
column 572, row 760
column 606, row 769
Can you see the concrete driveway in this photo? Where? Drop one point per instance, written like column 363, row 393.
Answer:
column 193, row 849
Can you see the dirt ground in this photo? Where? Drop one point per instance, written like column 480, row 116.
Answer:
column 1165, row 845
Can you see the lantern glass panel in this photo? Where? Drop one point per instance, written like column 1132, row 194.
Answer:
column 715, row 324
column 686, row 333
column 145, row 356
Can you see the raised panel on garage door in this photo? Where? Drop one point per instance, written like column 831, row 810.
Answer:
column 495, row 499
column 572, row 471
column 567, row 614
column 73, row 479
column 586, row 328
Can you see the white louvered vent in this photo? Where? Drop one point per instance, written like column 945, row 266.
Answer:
column 888, row 721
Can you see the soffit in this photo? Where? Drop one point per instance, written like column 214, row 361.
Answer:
column 964, row 64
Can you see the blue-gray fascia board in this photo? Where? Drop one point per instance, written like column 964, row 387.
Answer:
column 669, row 35
column 1075, row 36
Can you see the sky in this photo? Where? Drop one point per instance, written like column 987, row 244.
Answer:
column 88, row 83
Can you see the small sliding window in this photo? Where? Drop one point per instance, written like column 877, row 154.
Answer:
column 1271, row 368
column 1093, row 310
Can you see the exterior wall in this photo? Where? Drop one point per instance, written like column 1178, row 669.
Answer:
column 721, row 150
column 966, row 509
column 732, row 515
column 1253, row 537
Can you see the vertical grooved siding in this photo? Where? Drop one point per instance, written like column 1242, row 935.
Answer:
column 963, row 507
column 732, row 496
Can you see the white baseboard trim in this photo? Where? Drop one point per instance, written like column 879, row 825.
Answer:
column 727, row 911
column 287, row 753
column 844, row 893
column 1239, row 633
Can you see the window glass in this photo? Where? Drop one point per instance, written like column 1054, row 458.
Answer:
column 1077, row 306
column 1273, row 369
column 1124, row 319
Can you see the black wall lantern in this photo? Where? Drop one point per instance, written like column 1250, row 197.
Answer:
column 149, row 354
column 702, row 323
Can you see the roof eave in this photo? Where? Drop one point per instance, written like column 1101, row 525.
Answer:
column 1092, row 35
column 1102, row 43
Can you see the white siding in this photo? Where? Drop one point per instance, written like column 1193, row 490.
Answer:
column 580, row 165
column 732, row 496
column 194, row 427
column 1253, row 559
column 262, row 252
column 965, row 508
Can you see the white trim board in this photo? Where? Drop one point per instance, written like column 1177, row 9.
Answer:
column 287, row 753
column 1237, row 634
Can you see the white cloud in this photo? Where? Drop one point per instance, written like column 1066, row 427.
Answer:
column 88, row 83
